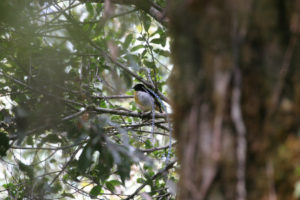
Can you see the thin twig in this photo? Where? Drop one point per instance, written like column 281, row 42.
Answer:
column 110, row 58
column 127, row 70
column 66, row 165
column 134, row 125
column 114, row 97
column 282, row 75
column 156, row 148
column 159, row 173
column 236, row 115
column 49, row 148
column 127, row 113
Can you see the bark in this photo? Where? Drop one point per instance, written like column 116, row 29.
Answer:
column 232, row 62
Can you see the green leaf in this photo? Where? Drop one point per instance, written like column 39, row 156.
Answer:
column 65, row 194
column 103, row 104
column 85, row 158
column 124, row 168
column 51, row 138
column 105, row 164
column 146, row 22
column 140, row 39
column 104, row 172
column 148, row 144
column 144, row 53
column 95, row 191
column 57, row 187
column 162, row 52
column 149, row 64
column 110, row 186
column 137, row 47
column 29, row 140
column 90, row 8
column 156, row 41
column 115, row 182
column 140, row 180
column 99, row 7
column 4, row 144
column 163, row 39
column 127, row 41
column 27, row 169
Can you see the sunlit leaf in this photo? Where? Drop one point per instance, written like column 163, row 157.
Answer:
column 89, row 8
column 95, row 191
column 128, row 40
column 146, row 22
column 110, row 186
column 162, row 52
column 65, row 194
column 137, row 47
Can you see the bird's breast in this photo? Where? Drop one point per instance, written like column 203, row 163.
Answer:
column 144, row 100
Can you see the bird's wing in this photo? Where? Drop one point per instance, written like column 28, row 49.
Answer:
column 157, row 103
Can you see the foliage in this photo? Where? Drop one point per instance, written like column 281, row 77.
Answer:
column 69, row 127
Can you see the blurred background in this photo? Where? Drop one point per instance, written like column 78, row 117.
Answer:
column 227, row 74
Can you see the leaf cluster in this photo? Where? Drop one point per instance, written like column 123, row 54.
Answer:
column 69, row 125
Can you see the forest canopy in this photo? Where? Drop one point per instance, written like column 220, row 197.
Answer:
column 69, row 124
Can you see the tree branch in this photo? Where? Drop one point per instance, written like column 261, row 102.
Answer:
column 127, row 70
column 113, row 97
column 156, row 149
column 127, row 113
column 238, row 122
column 148, row 6
column 49, row 148
column 111, row 59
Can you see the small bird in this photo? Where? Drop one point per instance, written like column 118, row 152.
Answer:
column 145, row 98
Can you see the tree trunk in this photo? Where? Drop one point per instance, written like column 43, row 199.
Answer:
column 233, row 84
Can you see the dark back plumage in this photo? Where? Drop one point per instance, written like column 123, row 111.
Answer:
column 143, row 88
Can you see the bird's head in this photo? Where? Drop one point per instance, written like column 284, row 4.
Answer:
column 139, row 87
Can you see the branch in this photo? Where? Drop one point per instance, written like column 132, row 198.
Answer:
column 156, row 149
column 132, row 126
column 282, row 76
column 127, row 70
column 113, row 97
column 143, row 131
column 65, row 166
column 49, row 148
column 111, row 59
column 148, row 6
column 127, row 113
column 159, row 173
column 238, row 122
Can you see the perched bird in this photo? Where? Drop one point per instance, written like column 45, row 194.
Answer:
column 145, row 98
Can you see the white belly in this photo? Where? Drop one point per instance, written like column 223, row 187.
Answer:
column 145, row 100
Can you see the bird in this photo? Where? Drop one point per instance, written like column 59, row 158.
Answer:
column 145, row 98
